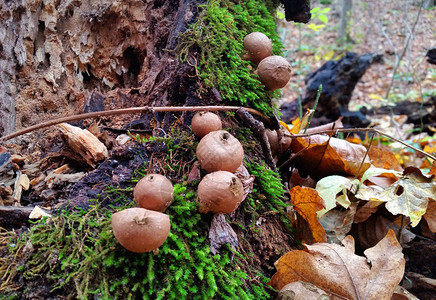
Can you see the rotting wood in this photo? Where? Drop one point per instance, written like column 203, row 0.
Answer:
column 84, row 143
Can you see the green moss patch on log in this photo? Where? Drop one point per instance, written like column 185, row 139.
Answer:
column 75, row 254
column 218, row 37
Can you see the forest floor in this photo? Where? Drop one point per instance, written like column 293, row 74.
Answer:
column 376, row 27
column 381, row 27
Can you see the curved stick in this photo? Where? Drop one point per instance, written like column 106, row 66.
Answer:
column 130, row 110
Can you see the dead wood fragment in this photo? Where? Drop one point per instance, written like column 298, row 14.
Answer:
column 422, row 286
column 221, row 233
column 21, row 182
column 14, row 215
column 259, row 131
column 85, row 143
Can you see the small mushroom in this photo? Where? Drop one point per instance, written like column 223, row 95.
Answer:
column 219, row 151
column 220, row 192
column 139, row 229
column 274, row 72
column 154, row 192
column 204, row 122
column 257, row 46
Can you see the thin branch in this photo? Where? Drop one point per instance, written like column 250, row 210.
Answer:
column 364, row 157
column 130, row 110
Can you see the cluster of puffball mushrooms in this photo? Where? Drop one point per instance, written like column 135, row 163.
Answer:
column 274, row 71
column 145, row 228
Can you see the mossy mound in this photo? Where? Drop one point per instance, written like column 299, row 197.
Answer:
column 218, row 37
column 75, row 254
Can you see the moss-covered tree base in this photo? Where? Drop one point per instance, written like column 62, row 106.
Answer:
column 75, row 255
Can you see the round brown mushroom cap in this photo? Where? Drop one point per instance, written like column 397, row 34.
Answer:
column 219, row 151
column 154, row 192
column 139, row 229
column 257, row 46
column 220, row 192
column 274, row 72
column 204, row 122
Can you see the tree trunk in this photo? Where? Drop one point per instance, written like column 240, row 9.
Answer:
column 344, row 30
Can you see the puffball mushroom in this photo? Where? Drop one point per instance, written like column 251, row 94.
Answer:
column 154, row 192
column 219, row 151
column 139, row 229
column 274, row 72
column 204, row 122
column 257, row 46
column 220, row 192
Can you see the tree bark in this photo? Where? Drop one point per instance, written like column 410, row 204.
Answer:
column 55, row 55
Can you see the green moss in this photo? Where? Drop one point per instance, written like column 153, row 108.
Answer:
column 77, row 254
column 218, row 36
column 269, row 186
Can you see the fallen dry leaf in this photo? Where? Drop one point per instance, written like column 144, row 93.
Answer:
column 321, row 156
column 338, row 271
column 329, row 187
column 382, row 157
column 430, row 216
column 337, row 223
column 365, row 211
column 307, row 202
column 300, row 290
column 403, row 294
column 369, row 233
column 221, row 233
column 296, row 179
column 433, row 170
column 408, row 196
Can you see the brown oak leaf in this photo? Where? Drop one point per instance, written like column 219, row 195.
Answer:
column 339, row 272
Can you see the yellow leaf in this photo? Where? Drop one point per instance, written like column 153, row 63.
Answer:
column 307, row 202
column 299, row 125
column 329, row 55
column 338, row 57
column 286, row 125
column 375, row 96
column 430, row 148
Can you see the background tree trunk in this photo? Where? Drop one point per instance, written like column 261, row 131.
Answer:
column 344, row 30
